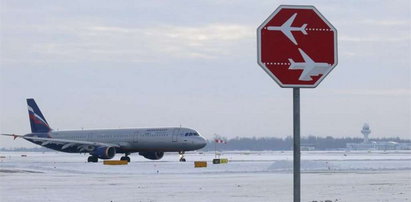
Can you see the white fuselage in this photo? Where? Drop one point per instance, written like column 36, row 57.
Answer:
column 138, row 139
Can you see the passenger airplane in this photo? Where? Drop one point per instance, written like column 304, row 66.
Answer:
column 309, row 67
column 286, row 28
column 105, row 143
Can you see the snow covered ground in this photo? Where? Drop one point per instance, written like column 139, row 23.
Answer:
column 249, row 176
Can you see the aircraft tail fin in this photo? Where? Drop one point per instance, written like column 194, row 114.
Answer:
column 37, row 121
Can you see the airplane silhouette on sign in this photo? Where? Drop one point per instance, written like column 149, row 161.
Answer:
column 309, row 67
column 286, row 28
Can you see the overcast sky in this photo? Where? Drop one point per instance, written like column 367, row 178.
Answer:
column 117, row 64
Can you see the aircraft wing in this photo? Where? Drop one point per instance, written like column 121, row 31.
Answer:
column 81, row 145
column 310, row 71
column 290, row 21
column 286, row 28
column 306, row 74
column 306, row 58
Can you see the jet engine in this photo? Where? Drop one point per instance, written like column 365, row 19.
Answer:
column 152, row 155
column 104, row 152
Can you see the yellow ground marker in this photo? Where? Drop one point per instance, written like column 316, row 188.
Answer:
column 200, row 164
column 115, row 162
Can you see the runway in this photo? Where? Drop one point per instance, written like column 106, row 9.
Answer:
column 249, row 176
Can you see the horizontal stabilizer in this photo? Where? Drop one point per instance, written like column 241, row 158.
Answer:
column 292, row 63
column 303, row 29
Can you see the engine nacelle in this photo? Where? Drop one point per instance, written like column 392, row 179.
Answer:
column 104, row 152
column 152, row 155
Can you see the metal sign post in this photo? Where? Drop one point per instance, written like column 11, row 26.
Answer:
column 296, row 145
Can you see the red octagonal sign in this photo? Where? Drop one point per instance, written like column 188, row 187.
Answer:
column 297, row 46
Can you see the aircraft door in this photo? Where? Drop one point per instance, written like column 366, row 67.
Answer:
column 135, row 137
column 175, row 134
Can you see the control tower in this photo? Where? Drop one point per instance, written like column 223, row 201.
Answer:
column 366, row 131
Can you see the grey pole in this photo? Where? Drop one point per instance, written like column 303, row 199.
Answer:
column 296, row 145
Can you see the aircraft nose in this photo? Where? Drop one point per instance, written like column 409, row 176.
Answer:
column 201, row 142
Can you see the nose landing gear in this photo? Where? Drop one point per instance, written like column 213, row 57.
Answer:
column 182, row 159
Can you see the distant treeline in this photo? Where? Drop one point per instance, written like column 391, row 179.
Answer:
column 282, row 144
column 266, row 143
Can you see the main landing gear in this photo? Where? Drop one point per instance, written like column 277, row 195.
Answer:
column 182, row 159
column 125, row 157
column 93, row 159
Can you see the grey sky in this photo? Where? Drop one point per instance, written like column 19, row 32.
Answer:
column 110, row 64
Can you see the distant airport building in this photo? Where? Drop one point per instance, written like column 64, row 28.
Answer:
column 307, row 147
column 373, row 145
column 366, row 131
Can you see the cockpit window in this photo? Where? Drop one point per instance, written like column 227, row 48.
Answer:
column 191, row 134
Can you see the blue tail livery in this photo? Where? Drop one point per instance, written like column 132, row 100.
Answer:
column 37, row 121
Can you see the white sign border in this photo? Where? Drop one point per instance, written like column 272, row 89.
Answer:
column 262, row 65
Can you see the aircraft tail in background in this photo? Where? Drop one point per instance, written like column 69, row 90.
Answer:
column 37, row 121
